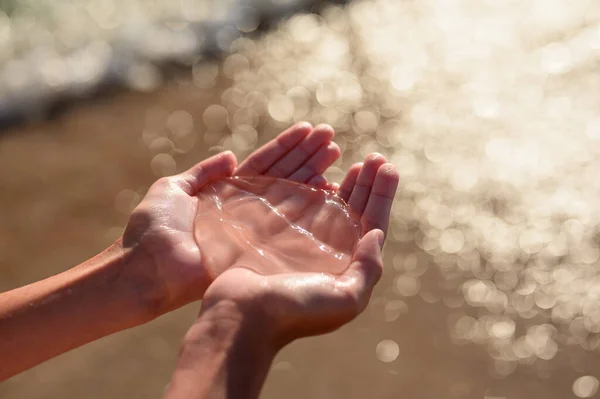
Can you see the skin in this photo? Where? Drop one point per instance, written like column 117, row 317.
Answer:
column 246, row 318
column 154, row 268
column 162, row 226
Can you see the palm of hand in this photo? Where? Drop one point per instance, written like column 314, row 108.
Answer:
column 273, row 226
column 163, row 224
column 300, row 303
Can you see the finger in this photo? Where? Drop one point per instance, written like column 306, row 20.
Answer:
column 318, row 181
column 327, row 154
column 345, row 189
column 379, row 205
column 213, row 168
column 262, row 159
column 364, row 182
column 365, row 268
column 334, row 187
column 299, row 155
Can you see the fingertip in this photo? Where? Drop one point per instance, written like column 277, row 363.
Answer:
column 365, row 178
column 324, row 129
column 389, row 173
column 356, row 167
column 375, row 158
column 386, row 181
column 388, row 169
column 318, row 181
column 335, row 147
column 290, row 137
column 216, row 167
column 230, row 159
column 334, row 151
column 374, row 238
column 302, row 125
column 229, row 154
column 324, row 126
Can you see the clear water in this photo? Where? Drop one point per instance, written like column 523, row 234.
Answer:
column 273, row 226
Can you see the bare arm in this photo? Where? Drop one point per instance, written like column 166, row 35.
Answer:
column 52, row 316
column 229, row 349
column 155, row 268
column 225, row 354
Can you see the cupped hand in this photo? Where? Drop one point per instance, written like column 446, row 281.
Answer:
column 160, row 229
column 293, row 305
column 273, row 226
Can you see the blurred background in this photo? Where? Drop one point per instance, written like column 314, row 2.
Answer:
column 490, row 111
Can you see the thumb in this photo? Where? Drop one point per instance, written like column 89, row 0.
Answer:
column 216, row 167
column 367, row 264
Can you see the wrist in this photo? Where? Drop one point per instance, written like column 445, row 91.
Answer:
column 130, row 270
column 233, row 326
column 225, row 354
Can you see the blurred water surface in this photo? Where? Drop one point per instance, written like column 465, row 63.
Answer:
column 53, row 51
column 490, row 112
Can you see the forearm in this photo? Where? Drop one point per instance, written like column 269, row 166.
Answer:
column 49, row 317
column 225, row 355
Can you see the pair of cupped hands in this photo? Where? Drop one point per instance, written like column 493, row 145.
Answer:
column 286, row 306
